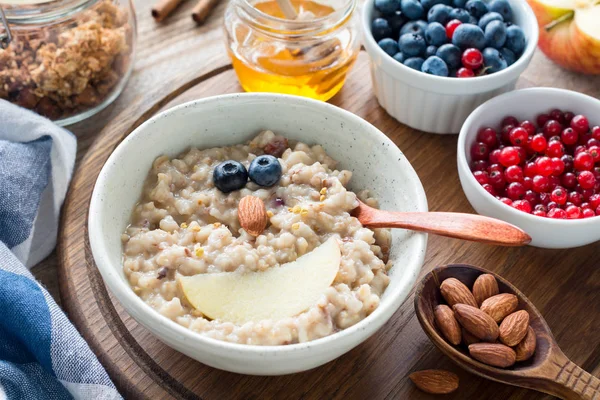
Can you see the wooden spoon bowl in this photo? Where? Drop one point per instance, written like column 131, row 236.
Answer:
column 548, row 370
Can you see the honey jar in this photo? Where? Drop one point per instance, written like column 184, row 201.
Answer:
column 309, row 56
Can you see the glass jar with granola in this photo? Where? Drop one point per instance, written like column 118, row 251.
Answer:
column 65, row 59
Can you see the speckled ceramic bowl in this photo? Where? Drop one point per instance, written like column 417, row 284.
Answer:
column 377, row 164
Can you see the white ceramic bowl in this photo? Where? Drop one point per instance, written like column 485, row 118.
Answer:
column 527, row 104
column 437, row 104
column 377, row 164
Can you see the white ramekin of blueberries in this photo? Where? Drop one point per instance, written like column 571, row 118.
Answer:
column 435, row 61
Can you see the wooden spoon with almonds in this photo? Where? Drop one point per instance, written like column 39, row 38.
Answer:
column 548, row 370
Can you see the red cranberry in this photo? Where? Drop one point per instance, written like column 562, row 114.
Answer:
column 515, row 191
column 518, row 136
column 587, row 213
column 481, row 177
column 509, row 156
column 552, row 128
column 488, row 136
column 490, row 189
column 595, row 153
column 558, row 165
column 569, row 136
column 544, row 166
column 586, row 179
column 495, row 157
column 583, row 161
column 573, row 212
column 480, row 165
column 479, row 151
column 540, row 184
column 596, row 132
column 529, row 127
column 569, row 180
column 538, row 143
column 559, row 195
column 555, row 149
column 557, row 213
column 451, row 27
column 522, row 205
column 575, row 198
column 542, row 119
column 580, row 124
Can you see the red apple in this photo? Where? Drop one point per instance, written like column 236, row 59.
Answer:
column 570, row 32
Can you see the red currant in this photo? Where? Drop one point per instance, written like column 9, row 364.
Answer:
column 481, row 177
column 479, row 151
column 552, row 128
column 510, row 120
column 575, row 198
column 532, row 197
column 509, row 156
column 595, row 153
column 506, row 201
column 518, row 136
column 558, row 165
column 496, row 179
column 530, row 170
column 529, row 127
column 480, row 165
column 557, row 115
column 554, row 181
column 568, row 161
column 451, row 27
column 568, row 115
column 552, row 205
column 542, row 119
column 495, row 157
column 488, row 136
column 465, row 73
column 522, row 205
column 583, row 161
column 596, row 132
column 539, row 213
column 490, row 189
column 586, row 179
column 592, row 142
column 540, row 184
column 514, row 173
column 544, row 166
column 559, row 195
column 515, row 191
column 538, row 143
column 573, row 212
column 587, row 213
column 569, row 180
column 555, row 149
column 569, row 136
column 557, row 213
column 594, row 200
column 580, row 124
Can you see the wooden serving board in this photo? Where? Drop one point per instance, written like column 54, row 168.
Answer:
column 563, row 284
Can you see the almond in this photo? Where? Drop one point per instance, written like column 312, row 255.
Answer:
column 514, row 328
column 444, row 319
column 435, row 381
column 455, row 292
column 468, row 338
column 485, row 286
column 494, row 354
column 500, row 305
column 526, row 348
column 252, row 215
column 476, row 322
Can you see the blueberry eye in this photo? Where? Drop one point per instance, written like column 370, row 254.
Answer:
column 229, row 176
column 265, row 170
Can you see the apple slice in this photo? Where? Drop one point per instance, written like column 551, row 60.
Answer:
column 276, row 293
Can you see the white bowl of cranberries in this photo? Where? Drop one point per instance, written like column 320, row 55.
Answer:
column 532, row 158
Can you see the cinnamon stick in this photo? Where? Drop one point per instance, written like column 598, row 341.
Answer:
column 202, row 10
column 163, row 8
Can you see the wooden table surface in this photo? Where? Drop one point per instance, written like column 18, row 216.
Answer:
column 177, row 53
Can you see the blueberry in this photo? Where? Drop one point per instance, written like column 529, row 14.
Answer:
column 493, row 60
column 509, row 56
column 515, row 39
column 439, row 13
column 229, row 176
column 399, row 57
column 435, row 34
column 489, row 17
column 265, row 170
column 427, row 4
column 388, row 45
column 381, row 29
column 459, row 3
column 450, row 54
column 417, row 27
column 460, row 14
column 414, row 63
column 467, row 35
column 412, row 45
column 502, row 7
column 435, row 66
column 473, row 20
column 453, row 73
column 412, row 9
column 430, row 51
column 495, row 34
column 387, row 6
column 396, row 21
column 476, row 8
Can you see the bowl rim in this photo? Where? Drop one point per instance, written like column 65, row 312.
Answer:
column 121, row 289
column 530, row 28
column 496, row 104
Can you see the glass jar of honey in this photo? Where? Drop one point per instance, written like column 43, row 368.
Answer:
column 307, row 56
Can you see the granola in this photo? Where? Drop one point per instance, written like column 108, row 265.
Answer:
column 66, row 68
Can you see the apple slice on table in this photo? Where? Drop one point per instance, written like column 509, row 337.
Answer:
column 570, row 32
column 276, row 293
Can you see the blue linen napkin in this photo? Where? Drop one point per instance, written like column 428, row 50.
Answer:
column 42, row 356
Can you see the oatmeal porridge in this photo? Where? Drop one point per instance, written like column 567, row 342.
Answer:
column 184, row 226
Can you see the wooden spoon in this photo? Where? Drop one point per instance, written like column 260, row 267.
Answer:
column 472, row 227
column 548, row 370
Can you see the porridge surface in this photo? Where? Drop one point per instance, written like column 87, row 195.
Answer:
column 184, row 226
